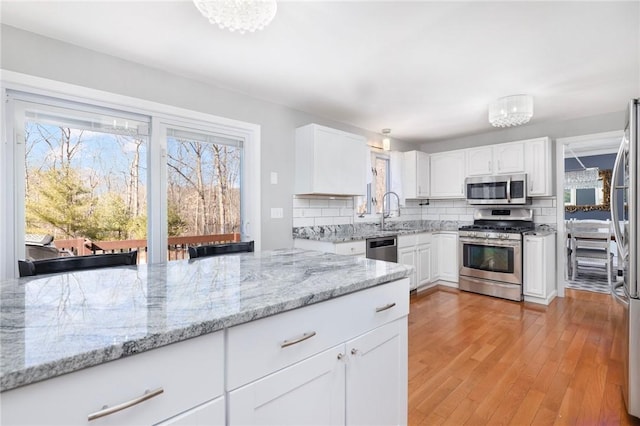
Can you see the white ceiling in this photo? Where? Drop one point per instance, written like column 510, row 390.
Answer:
column 427, row 70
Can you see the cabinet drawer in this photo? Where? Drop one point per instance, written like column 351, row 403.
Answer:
column 189, row 372
column 352, row 248
column 256, row 349
column 408, row 240
column 424, row 238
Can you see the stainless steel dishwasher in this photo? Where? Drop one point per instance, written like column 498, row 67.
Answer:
column 383, row 248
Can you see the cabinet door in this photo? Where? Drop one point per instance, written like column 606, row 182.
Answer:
column 310, row 392
column 407, row 256
column 329, row 161
column 448, row 257
column 538, row 167
column 423, row 252
column 533, row 267
column 447, row 174
column 508, row 158
column 422, row 174
column 415, row 174
column 376, row 384
column 480, row 161
column 435, row 257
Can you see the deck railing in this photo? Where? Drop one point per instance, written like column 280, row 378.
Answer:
column 178, row 247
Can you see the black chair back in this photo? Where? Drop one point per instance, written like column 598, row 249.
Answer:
column 218, row 249
column 72, row 263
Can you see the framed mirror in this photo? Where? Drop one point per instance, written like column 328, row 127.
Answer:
column 589, row 198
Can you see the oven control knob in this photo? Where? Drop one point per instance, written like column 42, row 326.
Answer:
column 504, row 236
column 487, row 235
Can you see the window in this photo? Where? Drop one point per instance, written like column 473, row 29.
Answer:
column 97, row 177
column 380, row 170
column 84, row 174
column 203, row 189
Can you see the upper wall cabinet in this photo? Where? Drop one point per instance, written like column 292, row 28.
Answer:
column 496, row 159
column 329, row 161
column 415, row 175
column 447, row 174
column 539, row 167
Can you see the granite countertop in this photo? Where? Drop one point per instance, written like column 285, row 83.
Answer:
column 60, row 323
column 346, row 233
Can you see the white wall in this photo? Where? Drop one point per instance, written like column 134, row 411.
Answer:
column 29, row 53
column 320, row 211
column 561, row 129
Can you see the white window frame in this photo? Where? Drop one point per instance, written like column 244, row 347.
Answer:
column 370, row 215
column 162, row 115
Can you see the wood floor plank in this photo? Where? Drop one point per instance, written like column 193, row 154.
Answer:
column 480, row 360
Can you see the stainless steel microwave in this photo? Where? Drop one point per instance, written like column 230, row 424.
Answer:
column 496, row 189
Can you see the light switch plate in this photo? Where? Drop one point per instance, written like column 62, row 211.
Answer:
column 277, row 213
column 274, row 178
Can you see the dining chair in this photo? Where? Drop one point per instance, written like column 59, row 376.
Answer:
column 219, row 249
column 28, row 268
column 591, row 244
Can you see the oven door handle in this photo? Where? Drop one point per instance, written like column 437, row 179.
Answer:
column 509, row 189
column 486, row 242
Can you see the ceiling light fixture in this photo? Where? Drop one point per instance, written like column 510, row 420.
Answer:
column 238, row 15
column 511, row 111
column 386, row 141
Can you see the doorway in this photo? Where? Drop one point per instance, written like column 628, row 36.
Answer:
column 583, row 164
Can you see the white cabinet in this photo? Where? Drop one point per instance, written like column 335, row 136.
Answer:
column 508, row 158
column 496, row 159
column 350, row 248
column 329, row 161
column 539, row 167
column 415, row 250
column 368, row 374
column 376, row 376
column 309, row 392
column 324, row 362
column 445, row 257
column 447, row 174
column 407, row 256
column 190, row 373
column 539, row 278
column 423, row 258
column 480, row 161
column 415, row 175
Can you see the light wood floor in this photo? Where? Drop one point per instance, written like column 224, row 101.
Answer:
column 479, row 360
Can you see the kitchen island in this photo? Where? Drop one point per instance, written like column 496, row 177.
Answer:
column 224, row 325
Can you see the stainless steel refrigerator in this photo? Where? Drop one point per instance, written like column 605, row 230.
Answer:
column 624, row 214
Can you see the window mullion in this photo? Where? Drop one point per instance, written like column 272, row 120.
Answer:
column 157, row 233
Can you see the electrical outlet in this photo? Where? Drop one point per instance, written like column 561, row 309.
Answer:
column 274, row 178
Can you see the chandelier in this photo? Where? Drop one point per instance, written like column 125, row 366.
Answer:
column 238, row 15
column 511, row 110
column 583, row 179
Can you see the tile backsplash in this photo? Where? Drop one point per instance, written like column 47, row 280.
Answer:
column 322, row 211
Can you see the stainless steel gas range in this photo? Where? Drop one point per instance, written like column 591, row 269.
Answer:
column 491, row 252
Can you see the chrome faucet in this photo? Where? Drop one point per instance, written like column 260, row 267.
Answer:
column 382, row 216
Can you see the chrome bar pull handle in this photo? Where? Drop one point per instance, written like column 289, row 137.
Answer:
column 123, row 406
column 354, row 351
column 509, row 190
column 613, row 200
column 385, row 307
column 302, row 338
